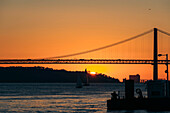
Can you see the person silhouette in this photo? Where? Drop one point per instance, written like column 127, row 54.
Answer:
column 114, row 95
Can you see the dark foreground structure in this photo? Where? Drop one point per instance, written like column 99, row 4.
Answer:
column 157, row 98
column 139, row 104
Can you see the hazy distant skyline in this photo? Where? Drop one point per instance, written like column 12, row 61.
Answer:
column 47, row 28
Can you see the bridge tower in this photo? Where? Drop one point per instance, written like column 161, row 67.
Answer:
column 155, row 55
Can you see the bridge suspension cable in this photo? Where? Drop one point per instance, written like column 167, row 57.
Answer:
column 164, row 32
column 104, row 47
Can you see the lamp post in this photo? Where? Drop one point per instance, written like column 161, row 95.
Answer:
column 166, row 71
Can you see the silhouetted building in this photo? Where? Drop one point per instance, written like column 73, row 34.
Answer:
column 124, row 80
column 136, row 78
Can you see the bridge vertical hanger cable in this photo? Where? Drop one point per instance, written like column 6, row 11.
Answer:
column 165, row 48
column 104, row 47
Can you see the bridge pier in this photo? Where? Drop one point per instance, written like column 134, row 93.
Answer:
column 155, row 65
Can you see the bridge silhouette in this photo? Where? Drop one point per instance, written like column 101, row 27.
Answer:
column 62, row 59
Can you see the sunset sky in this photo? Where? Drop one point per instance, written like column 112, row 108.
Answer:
column 48, row 28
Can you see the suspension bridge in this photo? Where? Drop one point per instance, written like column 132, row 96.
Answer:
column 62, row 59
column 80, row 61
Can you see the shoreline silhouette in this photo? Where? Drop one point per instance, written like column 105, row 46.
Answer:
column 49, row 75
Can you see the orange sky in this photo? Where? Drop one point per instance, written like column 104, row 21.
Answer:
column 47, row 28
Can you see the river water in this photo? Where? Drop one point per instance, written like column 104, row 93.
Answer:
column 60, row 97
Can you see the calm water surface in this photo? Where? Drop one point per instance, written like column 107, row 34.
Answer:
column 59, row 97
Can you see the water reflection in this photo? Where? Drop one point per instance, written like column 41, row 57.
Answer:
column 58, row 98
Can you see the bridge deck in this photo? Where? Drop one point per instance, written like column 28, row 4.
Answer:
column 80, row 61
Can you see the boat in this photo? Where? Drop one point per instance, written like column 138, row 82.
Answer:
column 87, row 79
column 79, row 82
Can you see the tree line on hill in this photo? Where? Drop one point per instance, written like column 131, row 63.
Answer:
column 49, row 75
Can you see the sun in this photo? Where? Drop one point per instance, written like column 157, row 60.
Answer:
column 92, row 73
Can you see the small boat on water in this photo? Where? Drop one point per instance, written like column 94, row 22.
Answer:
column 79, row 82
column 87, row 79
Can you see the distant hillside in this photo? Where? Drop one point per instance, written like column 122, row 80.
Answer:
column 46, row 75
